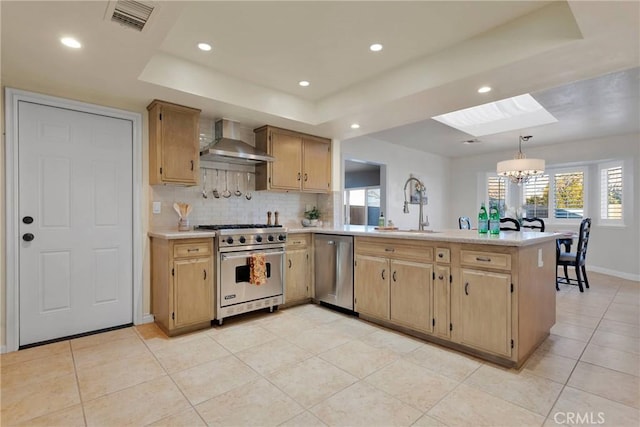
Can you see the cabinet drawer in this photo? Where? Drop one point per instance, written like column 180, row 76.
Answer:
column 297, row 241
column 486, row 259
column 396, row 249
column 181, row 250
column 443, row 255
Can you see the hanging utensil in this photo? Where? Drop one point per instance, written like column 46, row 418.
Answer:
column 226, row 193
column 215, row 187
column 238, row 193
column 248, row 193
column 204, row 184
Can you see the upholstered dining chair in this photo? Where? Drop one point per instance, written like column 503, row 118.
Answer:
column 577, row 259
column 510, row 224
column 464, row 223
column 533, row 224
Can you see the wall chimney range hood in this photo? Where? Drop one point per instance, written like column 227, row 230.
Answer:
column 227, row 146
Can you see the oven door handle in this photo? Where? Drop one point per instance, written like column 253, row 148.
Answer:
column 248, row 254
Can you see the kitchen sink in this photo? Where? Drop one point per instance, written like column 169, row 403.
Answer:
column 422, row 231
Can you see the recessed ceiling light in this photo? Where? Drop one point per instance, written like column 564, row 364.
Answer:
column 204, row 46
column 519, row 112
column 355, row 126
column 303, row 83
column 376, row 47
column 484, row 89
column 71, row 42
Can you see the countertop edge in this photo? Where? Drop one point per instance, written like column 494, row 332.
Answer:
column 174, row 234
column 505, row 238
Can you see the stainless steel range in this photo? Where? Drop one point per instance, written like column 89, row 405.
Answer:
column 235, row 246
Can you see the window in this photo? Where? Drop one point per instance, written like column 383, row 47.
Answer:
column 557, row 195
column 611, row 192
column 362, row 206
column 568, row 192
column 497, row 193
column 536, row 197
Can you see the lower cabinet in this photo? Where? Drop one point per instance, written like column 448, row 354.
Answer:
column 182, row 284
column 410, row 295
column 298, row 269
column 442, row 302
column 371, row 286
column 485, row 311
column 392, row 282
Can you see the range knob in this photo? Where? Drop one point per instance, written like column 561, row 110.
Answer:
column 282, row 237
column 259, row 239
column 242, row 239
column 229, row 240
column 270, row 238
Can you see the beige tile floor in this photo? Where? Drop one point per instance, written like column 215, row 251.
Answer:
column 308, row 366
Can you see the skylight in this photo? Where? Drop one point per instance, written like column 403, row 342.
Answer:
column 508, row 114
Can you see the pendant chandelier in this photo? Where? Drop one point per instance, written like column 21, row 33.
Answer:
column 521, row 169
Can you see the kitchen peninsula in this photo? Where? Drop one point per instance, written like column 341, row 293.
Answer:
column 490, row 296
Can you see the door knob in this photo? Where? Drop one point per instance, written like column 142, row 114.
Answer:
column 27, row 237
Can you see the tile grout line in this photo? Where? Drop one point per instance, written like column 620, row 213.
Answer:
column 75, row 371
column 564, row 386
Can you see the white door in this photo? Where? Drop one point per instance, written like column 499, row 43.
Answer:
column 75, row 182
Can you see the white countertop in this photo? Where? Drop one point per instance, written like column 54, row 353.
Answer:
column 171, row 234
column 505, row 238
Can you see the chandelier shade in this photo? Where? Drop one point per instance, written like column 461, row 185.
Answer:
column 520, row 169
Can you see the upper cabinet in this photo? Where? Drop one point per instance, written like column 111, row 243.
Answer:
column 303, row 162
column 173, row 144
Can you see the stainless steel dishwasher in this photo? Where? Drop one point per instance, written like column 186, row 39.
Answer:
column 334, row 270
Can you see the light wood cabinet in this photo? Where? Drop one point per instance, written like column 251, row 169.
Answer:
column 492, row 301
column 173, row 144
column 371, row 286
column 442, row 301
column 393, row 282
column 485, row 307
column 410, row 295
column 303, row 162
column 182, row 284
column 298, row 274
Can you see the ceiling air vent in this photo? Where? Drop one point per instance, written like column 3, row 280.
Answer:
column 131, row 14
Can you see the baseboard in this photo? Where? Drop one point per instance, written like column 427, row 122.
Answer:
column 147, row 318
column 615, row 273
column 3, row 349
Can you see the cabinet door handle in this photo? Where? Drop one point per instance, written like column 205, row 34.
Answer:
column 484, row 259
column 289, row 263
column 466, row 288
column 389, row 250
column 193, row 250
column 205, row 274
column 305, row 177
column 299, row 176
column 394, row 276
column 383, row 270
column 191, row 164
column 440, row 255
column 440, row 277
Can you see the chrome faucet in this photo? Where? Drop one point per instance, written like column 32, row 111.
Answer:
column 420, row 188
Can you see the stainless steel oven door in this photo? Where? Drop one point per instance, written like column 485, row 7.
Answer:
column 234, row 286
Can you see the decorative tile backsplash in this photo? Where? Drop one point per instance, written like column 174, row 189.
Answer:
column 236, row 210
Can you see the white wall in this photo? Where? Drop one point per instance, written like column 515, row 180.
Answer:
column 432, row 169
column 612, row 250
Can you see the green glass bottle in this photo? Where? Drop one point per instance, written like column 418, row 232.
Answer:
column 483, row 220
column 494, row 219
